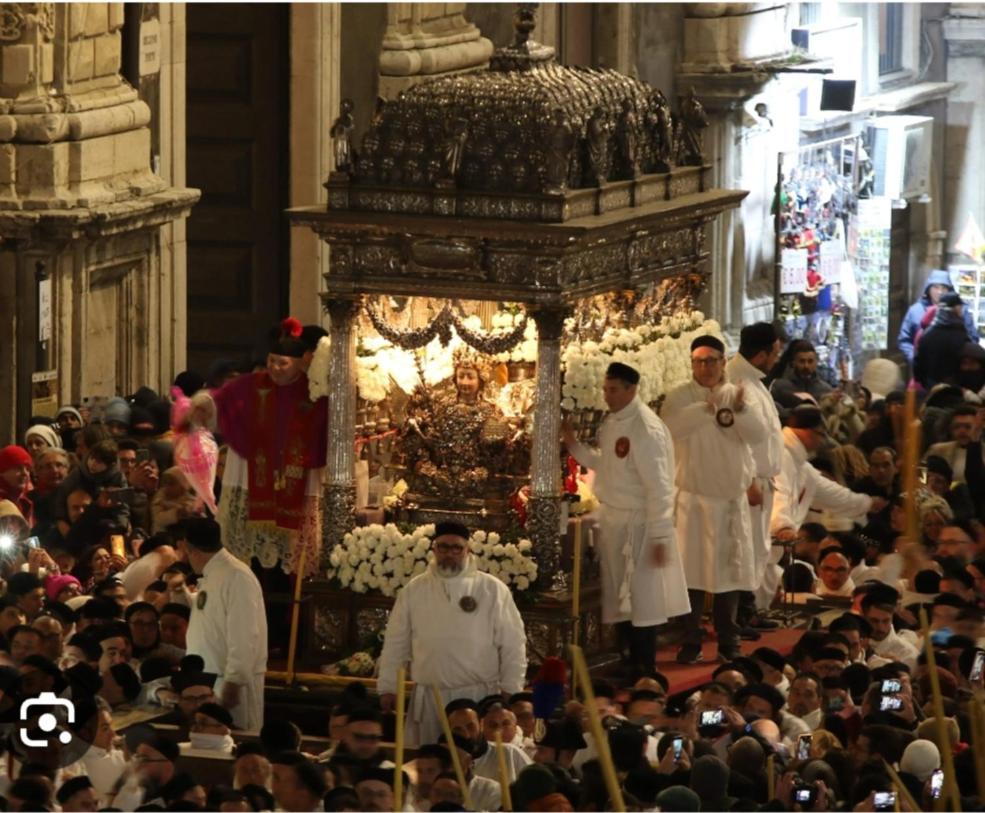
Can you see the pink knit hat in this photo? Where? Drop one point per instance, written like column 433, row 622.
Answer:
column 55, row 584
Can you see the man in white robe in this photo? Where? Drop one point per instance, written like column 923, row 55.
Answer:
column 712, row 428
column 642, row 578
column 878, row 607
column 759, row 348
column 228, row 624
column 459, row 630
column 801, row 486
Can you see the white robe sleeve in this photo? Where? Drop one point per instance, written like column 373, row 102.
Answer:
column 585, row 455
column 834, row 497
column 396, row 645
column 510, row 639
column 785, row 499
column 682, row 416
column 244, row 610
column 653, row 458
column 750, row 425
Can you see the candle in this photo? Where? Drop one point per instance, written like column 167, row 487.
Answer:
column 599, row 735
column 450, row 739
column 950, row 793
column 506, row 802
column 295, row 610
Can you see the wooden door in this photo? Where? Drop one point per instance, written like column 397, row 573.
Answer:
column 237, row 154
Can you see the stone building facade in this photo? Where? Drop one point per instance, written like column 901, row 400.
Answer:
column 90, row 246
column 112, row 276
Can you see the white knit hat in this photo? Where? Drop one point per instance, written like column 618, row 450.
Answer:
column 881, row 377
column 46, row 433
column 921, row 758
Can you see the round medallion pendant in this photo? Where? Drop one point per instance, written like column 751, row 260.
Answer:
column 622, row 447
column 725, row 417
column 467, row 603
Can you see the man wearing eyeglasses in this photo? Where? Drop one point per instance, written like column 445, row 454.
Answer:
column 712, row 429
column 460, row 631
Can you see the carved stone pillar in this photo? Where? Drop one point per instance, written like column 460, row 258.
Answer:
column 544, row 509
column 79, row 196
column 423, row 40
column 340, row 477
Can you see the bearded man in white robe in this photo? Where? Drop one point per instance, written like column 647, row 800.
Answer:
column 458, row 628
column 712, row 428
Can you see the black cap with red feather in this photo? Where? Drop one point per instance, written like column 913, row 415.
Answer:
column 286, row 339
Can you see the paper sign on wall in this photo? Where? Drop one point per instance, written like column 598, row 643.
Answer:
column 793, row 270
column 829, row 264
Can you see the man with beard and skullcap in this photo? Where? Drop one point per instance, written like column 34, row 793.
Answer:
column 460, row 631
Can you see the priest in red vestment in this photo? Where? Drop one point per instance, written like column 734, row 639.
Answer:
column 276, row 436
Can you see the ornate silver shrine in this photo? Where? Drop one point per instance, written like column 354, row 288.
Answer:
column 529, row 182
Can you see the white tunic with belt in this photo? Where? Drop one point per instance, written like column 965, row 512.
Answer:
column 465, row 654
column 633, row 481
column 714, row 470
column 766, row 456
column 228, row 629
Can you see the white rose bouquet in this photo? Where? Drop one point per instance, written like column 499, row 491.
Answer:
column 384, row 558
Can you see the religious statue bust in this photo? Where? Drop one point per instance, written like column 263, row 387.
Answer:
column 453, row 444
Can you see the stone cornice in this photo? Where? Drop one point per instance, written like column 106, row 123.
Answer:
column 965, row 36
column 102, row 221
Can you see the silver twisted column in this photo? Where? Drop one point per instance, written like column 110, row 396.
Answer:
column 340, row 480
column 544, row 509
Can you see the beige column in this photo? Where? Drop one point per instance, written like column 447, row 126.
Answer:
column 315, row 75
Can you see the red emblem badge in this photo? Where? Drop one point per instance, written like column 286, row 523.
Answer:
column 622, row 447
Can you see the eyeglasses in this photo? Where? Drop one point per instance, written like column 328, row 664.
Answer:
column 143, row 758
column 710, row 361
column 442, row 547
column 367, row 737
column 196, row 698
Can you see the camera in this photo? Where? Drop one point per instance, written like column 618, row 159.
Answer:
column 890, row 703
column 678, row 745
column 885, row 800
column 804, row 794
column 936, row 784
column 891, row 686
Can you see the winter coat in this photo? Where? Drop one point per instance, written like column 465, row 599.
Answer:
column 911, row 322
column 939, row 352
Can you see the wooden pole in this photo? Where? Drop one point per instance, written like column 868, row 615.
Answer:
column 506, row 802
column 452, row 748
column 598, row 732
column 295, row 615
column 398, row 751
column 901, row 789
column 952, row 796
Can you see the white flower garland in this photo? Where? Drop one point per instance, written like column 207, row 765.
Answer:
column 384, row 558
column 660, row 352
